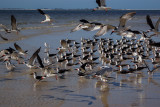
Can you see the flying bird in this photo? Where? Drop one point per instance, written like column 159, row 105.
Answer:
column 104, row 29
column 87, row 26
column 153, row 28
column 101, row 5
column 20, row 50
column 31, row 62
column 121, row 29
column 13, row 25
column 48, row 18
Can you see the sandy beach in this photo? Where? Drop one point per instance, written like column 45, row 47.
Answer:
column 18, row 88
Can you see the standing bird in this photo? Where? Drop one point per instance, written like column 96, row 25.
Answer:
column 153, row 28
column 39, row 78
column 101, row 5
column 48, row 18
column 104, row 73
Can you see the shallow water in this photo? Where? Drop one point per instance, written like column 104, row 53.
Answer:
column 18, row 88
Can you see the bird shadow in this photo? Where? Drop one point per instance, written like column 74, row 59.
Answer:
column 79, row 99
column 6, row 79
column 61, row 89
column 70, row 96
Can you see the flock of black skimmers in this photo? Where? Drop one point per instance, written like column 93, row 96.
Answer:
column 93, row 58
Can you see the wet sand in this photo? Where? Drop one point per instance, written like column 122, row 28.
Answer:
column 18, row 88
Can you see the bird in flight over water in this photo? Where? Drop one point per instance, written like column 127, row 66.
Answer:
column 101, row 5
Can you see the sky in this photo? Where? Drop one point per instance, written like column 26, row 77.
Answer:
column 80, row 4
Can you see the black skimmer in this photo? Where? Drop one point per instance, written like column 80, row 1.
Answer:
column 123, row 71
column 87, row 26
column 48, row 18
column 61, row 72
column 20, row 50
column 39, row 78
column 122, row 22
column 13, row 25
column 153, row 28
column 46, row 69
column 64, row 44
column 104, row 71
column 101, row 5
column 104, row 29
column 138, row 68
column 31, row 62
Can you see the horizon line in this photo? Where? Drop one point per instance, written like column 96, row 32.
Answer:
column 65, row 9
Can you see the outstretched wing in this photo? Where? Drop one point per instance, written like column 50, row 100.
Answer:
column 18, row 47
column 40, row 61
column 103, row 3
column 98, row 2
column 13, row 22
column 149, row 22
column 77, row 28
column 47, row 17
column 40, row 11
column 32, row 59
column 84, row 21
column 157, row 24
column 126, row 17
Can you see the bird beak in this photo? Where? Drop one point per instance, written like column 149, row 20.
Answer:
column 76, row 69
column 106, row 10
column 112, row 32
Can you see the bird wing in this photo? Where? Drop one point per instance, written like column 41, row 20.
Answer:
column 134, row 31
column 103, row 3
column 149, row 22
column 157, row 24
column 104, row 29
column 31, row 60
column 40, row 61
column 4, row 27
column 3, row 38
column 13, row 22
column 41, row 12
column 89, row 27
column 47, row 17
column 126, row 17
column 78, row 27
column 96, row 23
column 98, row 2
column 84, row 21
column 18, row 47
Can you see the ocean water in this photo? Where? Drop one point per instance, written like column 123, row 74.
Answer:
column 65, row 20
column 19, row 89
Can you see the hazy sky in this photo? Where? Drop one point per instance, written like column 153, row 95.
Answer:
column 80, row 4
